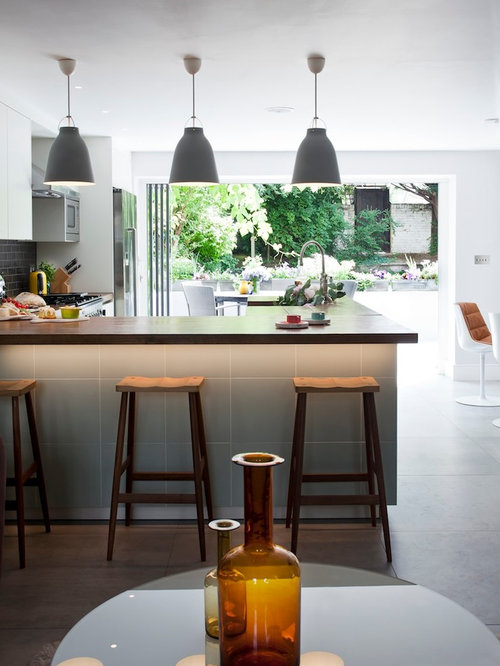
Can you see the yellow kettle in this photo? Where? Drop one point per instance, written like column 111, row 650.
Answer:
column 38, row 283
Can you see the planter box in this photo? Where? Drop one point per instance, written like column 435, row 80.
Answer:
column 379, row 285
column 414, row 285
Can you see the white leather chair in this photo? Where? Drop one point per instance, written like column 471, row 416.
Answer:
column 474, row 336
column 200, row 301
column 494, row 318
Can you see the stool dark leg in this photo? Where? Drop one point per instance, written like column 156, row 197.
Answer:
column 379, row 471
column 299, row 461
column 369, row 459
column 293, row 467
column 120, row 436
column 37, row 457
column 204, row 456
column 195, row 444
column 18, row 481
column 130, row 464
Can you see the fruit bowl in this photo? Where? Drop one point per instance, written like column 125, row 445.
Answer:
column 69, row 312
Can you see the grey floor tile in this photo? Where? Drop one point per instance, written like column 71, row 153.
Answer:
column 445, row 456
column 443, row 503
column 462, row 566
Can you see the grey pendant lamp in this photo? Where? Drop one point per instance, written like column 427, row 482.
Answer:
column 69, row 160
column 316, row 161
column 193, row 162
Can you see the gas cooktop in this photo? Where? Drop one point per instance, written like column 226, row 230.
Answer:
column 90, row 303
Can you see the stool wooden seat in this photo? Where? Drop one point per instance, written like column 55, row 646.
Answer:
column 199, row 474
column 31, row 475
column 374, row 474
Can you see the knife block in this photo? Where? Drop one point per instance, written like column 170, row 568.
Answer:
column 61, row 282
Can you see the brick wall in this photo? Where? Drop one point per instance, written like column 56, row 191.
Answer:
column 413, row 230
column 16, row 260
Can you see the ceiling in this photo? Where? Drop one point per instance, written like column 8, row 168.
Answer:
column 398, row 76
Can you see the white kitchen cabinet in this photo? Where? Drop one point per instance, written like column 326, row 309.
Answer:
column 4, row 220
column 15, row 175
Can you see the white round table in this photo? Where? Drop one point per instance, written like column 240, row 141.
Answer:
column 368, row 619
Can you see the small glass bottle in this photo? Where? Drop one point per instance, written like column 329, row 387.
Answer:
column 223, row 529
column 259, row 582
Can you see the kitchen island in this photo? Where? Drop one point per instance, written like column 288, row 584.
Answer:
column 248, row 397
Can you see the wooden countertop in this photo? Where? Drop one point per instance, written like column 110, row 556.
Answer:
column 351, row 323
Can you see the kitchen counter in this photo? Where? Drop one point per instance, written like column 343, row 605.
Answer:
column 351, row 323
column 248, row 399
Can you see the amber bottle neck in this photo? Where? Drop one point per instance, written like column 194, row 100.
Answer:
column 258, row 502
column 223, row 544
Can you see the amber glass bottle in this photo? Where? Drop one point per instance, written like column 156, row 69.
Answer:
column 259, row 582
column 223, row 529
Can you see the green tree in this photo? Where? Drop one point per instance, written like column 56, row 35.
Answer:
column 297, row 215
column 200, row 228
column 363, row 242
column 205, row 221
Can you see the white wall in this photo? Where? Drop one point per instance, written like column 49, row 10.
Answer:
column 95, row 249
column 469, row 210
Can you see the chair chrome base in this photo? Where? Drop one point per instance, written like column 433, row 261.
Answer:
column 478, row 401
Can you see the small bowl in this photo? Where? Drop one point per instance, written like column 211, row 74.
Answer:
column 69, row 312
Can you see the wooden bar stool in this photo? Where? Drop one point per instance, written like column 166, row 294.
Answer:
column 129, row 386
column 31, row 475
column 374, row 474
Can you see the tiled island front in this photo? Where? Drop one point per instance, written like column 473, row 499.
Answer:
column 248, row 399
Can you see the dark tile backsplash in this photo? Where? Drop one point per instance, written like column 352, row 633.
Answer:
column 16, row 260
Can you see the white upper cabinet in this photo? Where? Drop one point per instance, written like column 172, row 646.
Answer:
column 4, row 208
column 15, row 175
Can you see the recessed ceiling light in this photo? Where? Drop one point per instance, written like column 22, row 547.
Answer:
column 105, row 110
column 78, row 87
column 492, row 121
column 280, row 109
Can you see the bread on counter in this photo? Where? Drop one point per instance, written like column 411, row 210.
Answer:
column 33, row 300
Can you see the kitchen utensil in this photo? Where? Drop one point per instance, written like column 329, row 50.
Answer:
column 73, row 269
column 70, row 264
column 38, row 283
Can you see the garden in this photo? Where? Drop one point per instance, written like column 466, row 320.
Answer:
column 228, row 233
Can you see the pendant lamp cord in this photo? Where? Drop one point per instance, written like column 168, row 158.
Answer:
column 315, row 119
column 69, row 105
column 193, row 116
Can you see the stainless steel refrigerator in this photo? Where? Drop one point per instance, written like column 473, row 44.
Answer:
column 125, row 259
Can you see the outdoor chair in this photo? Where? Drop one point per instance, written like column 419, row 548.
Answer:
column 200, row 301
column 474, row 336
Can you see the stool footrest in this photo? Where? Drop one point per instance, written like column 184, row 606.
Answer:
column 162, row 476
column 336, row 500
column 157, row 498
column 335, row 477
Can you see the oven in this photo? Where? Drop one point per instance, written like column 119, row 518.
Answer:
column 91, row 305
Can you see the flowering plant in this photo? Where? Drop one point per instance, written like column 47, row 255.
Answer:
column 253, row 269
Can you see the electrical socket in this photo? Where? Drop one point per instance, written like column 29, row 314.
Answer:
column 482, row 259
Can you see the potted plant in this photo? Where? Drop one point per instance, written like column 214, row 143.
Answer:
column 304, row 293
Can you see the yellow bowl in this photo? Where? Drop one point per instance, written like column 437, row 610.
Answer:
column 69, row 312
